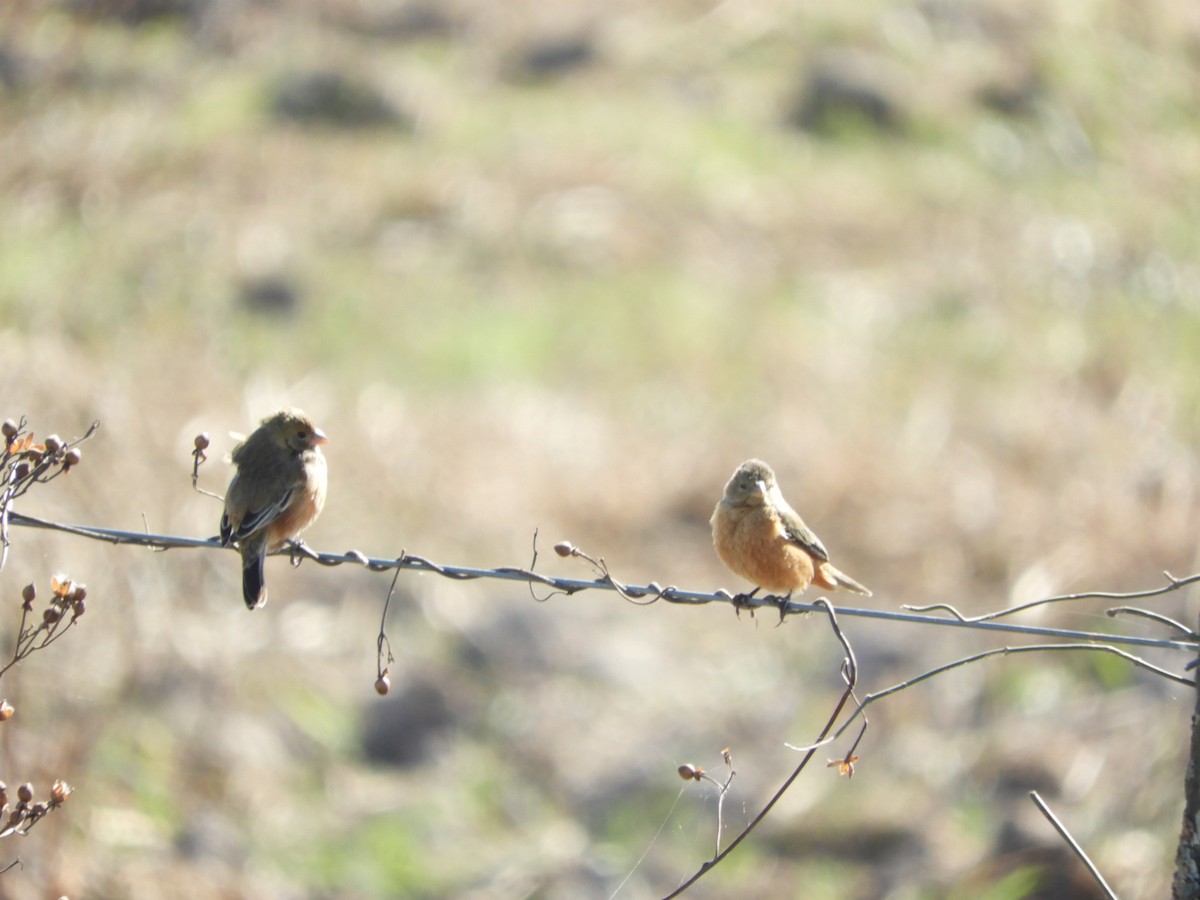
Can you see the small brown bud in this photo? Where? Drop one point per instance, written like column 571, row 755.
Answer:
column 6, row 710
column 201, row 441
column 53, row 443
column 72, row 458
column 60, row 791
column 25, row 792
column 564, row 548
column 383, row 684
column 51, row 614
column 78, row 608
column 29, row 593
column 690, row 773
column 77, row 592
column 22, row 470
column 9, row 429
column 38, row 810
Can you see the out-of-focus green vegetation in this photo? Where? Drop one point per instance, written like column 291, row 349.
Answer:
column 564, row 267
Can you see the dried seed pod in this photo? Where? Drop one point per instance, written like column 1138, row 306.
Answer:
column 53, row 444
column 8, row 429
column 690, row 773
column 383, row 684
column 29, row 593
column 51, row 614
column 60, row 791
column 25, row 792
column 201, row 441
column 72, row 458
column 564, row 548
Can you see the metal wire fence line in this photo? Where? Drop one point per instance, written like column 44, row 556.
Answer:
column 649, row 592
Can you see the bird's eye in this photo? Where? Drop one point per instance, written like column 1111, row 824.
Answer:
column 302, row 434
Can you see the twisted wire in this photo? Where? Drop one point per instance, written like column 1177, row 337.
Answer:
column 569, row 586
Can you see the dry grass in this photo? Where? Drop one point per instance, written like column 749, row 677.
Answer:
column 969, row 348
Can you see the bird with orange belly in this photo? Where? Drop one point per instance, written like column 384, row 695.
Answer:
column 276, row 493
column 760, row 537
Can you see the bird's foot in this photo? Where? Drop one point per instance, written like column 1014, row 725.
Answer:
column 298, row 550
column 745, row 601
column 783, row 610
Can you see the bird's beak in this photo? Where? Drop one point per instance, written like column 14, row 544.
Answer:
column 319, row 438
column 762, row 488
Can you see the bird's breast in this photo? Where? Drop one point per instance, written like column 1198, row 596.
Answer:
column 752, row 542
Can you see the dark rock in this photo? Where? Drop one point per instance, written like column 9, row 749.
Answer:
column 137, row 12
column 846, row 88
column 553, row 58
column 400, row 730
column 1015, row 95
column 12, row 69
column 330, row 98
column 270, row 295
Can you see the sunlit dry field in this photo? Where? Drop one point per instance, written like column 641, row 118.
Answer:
column 560, row 268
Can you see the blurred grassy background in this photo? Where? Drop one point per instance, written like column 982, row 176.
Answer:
column 563, row 267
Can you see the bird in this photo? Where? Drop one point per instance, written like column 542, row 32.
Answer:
column 760, row 537
column 277, row 491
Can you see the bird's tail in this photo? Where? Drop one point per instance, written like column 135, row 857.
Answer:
column 254, row 576
column 835, row 578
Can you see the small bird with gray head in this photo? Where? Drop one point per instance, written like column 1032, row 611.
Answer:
column 276, row 493
column 760, row 537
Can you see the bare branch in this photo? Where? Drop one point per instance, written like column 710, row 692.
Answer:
column 695, row 773
column 67, row 604
column 199, row 445
column 1173, row 584
column 986, row 654
column 1072, row 843
column 849, row 673
column 24, row 464
column 1154, row 616
column 383, row 647
column 636, row 596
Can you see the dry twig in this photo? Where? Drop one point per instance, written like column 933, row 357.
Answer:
column 849, row 672
column 1072, row 843
column 1173, row 584
column 987, row 654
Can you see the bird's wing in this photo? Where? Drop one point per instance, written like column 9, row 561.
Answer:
column 798, row 533
column 258, row 518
